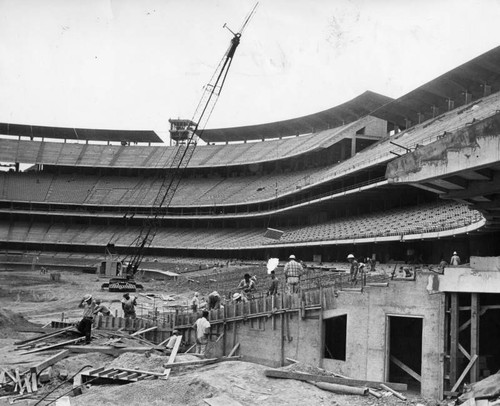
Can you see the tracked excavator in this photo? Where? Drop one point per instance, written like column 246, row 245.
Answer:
column 185, row 133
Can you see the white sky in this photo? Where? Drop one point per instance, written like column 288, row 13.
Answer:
column 133, row 64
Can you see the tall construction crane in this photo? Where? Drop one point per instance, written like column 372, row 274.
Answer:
column 186, row 133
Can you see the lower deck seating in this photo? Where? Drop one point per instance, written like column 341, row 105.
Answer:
column 417, row 220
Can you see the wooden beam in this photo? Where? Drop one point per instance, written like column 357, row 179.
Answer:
column 50, row 347
column 397, row 394
column 49, row 361
column 453, row 337
column 406, row 368
column 201, row 362
column 466, row 371
column 171, row 359
column 44, row 336
column 143, row 331
column 474, row 335
column 464, row 351
column 233, row 351
column 276, row 373
column 105, row 349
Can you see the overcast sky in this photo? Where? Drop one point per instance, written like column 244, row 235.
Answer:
column 133, row 64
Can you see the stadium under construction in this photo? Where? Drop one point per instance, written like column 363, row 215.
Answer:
column 404, row 181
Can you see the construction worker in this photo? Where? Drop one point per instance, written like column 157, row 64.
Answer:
column 101, row 309
column 128, row 306
column 247, row 286
column 85, row 325
column 239, row 298
column 273, row 287
column 195, row 302
column 455, row 259
column 214, row 300
column 202, row 327
column 293, row 272
column 354, row 268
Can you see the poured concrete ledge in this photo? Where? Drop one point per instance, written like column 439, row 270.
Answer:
column 471, row 147
column 458, row 279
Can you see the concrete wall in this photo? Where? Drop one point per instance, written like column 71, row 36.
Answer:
column 367, row 318
column 262, row 344
column 367, row 314
column 473, row 147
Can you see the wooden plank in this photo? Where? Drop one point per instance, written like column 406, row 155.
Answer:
column 105, row 373
column 49, row 347
column 464, row 351
column 34, row 382
column 45, row 336
column 474, row 335
column 233, row 351
column 276, row 373
column 406, row 368
column 49, row 361
column 171, row 359
column 134, row 371
column 143, row 331
column 190, row 348
column 27, row 382
column 201, row 362
column 464, row 374
column 453, row 337
column 397, row 394
column 105, row 349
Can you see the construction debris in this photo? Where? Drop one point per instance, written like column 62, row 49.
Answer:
column 277, row 373
column 488, row 388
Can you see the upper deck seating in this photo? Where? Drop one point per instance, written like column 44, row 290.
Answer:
column 91, row 155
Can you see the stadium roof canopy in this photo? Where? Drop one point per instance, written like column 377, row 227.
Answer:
column 79, row 133
column 475, row 78
column 334, row 117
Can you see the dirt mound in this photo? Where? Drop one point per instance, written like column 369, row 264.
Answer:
column 129, row 360
column 74, row 363
column 175, row 391
column 10, row 321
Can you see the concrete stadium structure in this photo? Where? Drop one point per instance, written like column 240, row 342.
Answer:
column 408, row 180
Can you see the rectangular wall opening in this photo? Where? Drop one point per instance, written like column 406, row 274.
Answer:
column 335, row 337
column 405, row 350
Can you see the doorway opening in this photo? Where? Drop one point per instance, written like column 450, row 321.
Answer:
column 405, row 350
column 335, row 337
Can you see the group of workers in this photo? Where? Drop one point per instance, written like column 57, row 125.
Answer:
column 94, row 307
column 293, row 272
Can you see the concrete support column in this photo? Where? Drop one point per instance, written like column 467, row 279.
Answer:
column 353, row 145
column 342, row 151
column 453, row 337
column 474, row 334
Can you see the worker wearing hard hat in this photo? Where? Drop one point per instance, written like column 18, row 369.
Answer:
column 354, row 268
column 293, row 271
column 455, row 259
column 85, row 325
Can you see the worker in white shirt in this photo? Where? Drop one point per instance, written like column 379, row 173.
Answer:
column 202, row 327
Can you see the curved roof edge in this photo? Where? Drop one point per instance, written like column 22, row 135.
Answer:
column 342, row 114
column 87, row 134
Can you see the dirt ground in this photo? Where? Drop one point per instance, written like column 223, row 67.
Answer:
column 28, row 298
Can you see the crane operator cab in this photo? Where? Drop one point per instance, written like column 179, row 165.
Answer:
column 181, row 131
column 120, row 279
